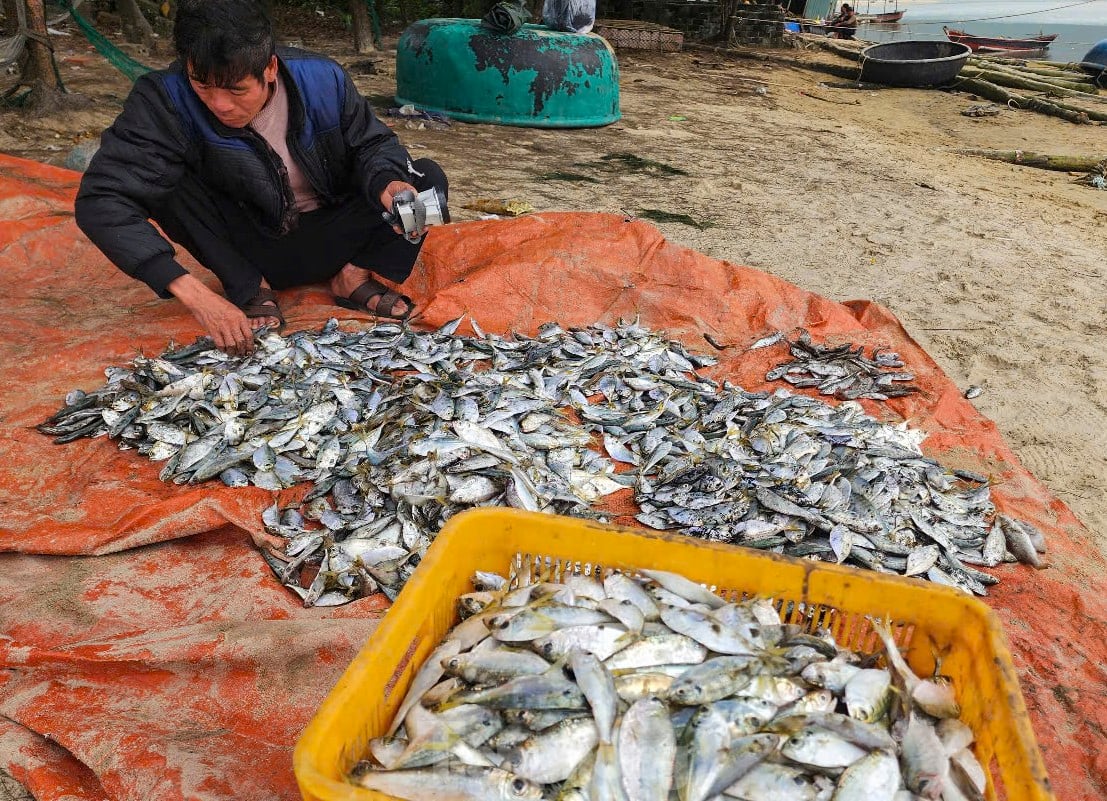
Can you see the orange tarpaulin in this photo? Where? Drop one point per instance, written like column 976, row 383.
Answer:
column 172, row 665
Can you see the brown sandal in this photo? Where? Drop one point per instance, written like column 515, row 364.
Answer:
column 385, row 305
column 263, row 304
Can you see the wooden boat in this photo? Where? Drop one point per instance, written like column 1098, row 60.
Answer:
column 881, row 19
column 998, row 43
column 1030, row 52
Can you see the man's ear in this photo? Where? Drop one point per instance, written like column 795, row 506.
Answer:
column 271, row 70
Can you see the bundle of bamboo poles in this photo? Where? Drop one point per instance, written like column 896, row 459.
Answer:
column 1060, row 90
column 1059, row 82
column 1047, row 87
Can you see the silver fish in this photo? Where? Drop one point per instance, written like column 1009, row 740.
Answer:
column 554, row 754
column 427, row 676
column 417, row 425
column 469, row 784
column 874, row 777
column 647, row 749
column 598, row 687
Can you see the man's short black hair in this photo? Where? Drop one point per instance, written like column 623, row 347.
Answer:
column 220, row 42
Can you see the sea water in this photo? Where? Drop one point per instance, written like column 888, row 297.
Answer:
column 1079, row 25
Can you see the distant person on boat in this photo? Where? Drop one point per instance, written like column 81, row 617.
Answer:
column 844, row 26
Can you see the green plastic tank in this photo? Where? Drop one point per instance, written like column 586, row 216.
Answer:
column 535, row 77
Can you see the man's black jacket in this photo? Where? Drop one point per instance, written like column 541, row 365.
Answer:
column 165, row 131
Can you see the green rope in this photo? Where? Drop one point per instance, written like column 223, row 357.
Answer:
column 116, row 57
column 57, row 72
column 372, row 6
column 10, row 100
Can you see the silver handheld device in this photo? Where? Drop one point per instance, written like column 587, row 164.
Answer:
column 414, row 213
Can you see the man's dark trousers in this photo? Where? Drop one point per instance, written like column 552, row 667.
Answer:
column 223, row 238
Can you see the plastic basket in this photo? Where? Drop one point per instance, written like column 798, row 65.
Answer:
column 931, row 622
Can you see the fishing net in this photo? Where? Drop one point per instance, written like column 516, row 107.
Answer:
column 11, row 47
column 130, row 67
column 375, row 21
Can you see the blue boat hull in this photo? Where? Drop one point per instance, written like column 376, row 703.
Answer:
column 1095, row 61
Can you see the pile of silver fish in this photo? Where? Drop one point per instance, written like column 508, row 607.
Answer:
column 843, row 371
column 398, row 430
column 650, row 687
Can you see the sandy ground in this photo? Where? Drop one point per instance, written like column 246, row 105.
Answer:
column 997, row 270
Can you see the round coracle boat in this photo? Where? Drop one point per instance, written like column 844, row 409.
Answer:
column 535, row 77
column 913, row 63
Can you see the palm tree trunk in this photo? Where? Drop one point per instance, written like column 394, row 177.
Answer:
column 40, row 74
column 363, row 28
column 136, row 28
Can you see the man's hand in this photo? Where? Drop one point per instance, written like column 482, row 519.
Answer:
column 389, row 193
column 222, row 320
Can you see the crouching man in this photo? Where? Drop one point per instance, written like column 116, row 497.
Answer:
column 266, row 164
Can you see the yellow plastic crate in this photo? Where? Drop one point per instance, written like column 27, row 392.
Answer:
column 931, row 622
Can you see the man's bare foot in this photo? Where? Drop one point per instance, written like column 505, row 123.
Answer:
column 265, row 322
column 349, row 278
column 384, row 303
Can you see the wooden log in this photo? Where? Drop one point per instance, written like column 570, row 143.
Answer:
column 1043, row 161
column 1073, row 83
column 1083, row 87
column 1096, row 116
column 1088, row 95
column 1060, row 65
column 1017, row 82
column 1034, row 73
column 987, row 90
column 1070, row 113
column 1044, row 72
column 997, row 94
column 1068, row 68
column 995, row 58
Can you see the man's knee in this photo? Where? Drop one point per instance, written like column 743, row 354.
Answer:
column 431, row 175
column 193, row 212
